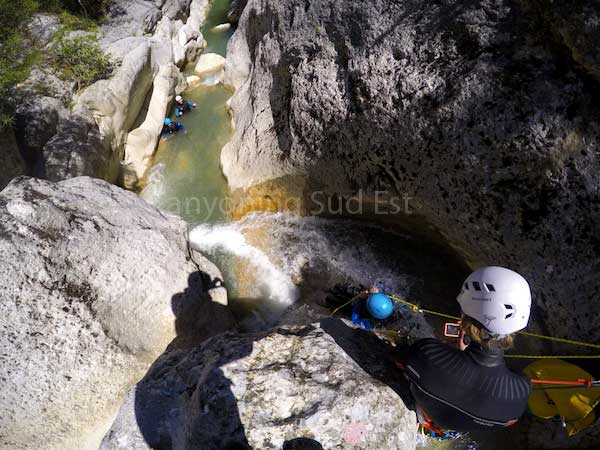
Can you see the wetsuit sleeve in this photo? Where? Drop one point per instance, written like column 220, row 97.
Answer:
column 356, row 319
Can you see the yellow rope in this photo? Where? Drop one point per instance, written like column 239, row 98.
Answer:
column 345, row 304
column 416, row 308
column 565, row 341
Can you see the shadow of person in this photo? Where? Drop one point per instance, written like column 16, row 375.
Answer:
column 185, row 400
column 372, row 354
column 302, row 443
column 197, row 315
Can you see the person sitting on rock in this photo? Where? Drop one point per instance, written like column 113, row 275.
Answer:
column 470, row 388
column 182, row 106
column 170, row 127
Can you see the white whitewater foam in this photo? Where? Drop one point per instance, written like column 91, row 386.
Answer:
column 230, row 240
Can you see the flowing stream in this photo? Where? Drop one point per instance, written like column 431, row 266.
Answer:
column 271, row 262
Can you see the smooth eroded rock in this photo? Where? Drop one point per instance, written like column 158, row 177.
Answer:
column 210, row 63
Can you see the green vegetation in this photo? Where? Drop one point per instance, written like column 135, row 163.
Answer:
column 81, row 58
column 15, row 57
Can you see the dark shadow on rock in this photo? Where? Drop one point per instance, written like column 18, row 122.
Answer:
column 185, row 399
column 302, row 443
column 372, row 354
column 197, row 317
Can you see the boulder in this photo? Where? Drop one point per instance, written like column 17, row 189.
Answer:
column 76, row 149
column 471, row 110
column 44, row 82
column 36, row 122
column 141, row 142
column 325, row 382
column 209, row 63
column 95, row 284
column 11, row 162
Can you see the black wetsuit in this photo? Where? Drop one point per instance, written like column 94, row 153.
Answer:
column 465, row 390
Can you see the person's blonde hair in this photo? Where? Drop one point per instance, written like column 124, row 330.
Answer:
column 477, row 333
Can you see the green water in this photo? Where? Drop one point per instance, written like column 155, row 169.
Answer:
column 186, row 177
column 217, row 40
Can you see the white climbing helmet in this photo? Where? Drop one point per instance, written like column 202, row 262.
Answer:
column 178, row 98
column 497, row 298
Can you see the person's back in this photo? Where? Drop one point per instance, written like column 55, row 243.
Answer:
column 471, row 388
column 465, row 390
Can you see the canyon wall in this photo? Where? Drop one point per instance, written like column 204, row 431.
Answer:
column 484, row 113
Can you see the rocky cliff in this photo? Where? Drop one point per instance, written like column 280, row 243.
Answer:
column 325, row 383
column 110, row 129
column 484, row 113
column 94, row 283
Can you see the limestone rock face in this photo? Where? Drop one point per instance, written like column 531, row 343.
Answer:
column 11, row 162
column 142, row 37
column 142, row 141
column 266, row 390
column 95, row 283
column 472, row 110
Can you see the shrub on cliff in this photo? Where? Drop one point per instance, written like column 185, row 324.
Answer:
column 81, row 59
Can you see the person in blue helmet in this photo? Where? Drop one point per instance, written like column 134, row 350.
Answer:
column 170, row 127
column 372, row 309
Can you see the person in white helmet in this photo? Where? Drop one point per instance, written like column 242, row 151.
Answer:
column 471, row 388
column 182, row 106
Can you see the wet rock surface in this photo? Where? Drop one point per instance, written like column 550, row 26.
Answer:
column 489, row 124
column 95, row 283
column 324, row 383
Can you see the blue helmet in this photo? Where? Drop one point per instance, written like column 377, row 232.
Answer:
column 380, row 306
column 167, row 121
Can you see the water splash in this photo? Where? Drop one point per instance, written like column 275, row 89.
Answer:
column 230, row 240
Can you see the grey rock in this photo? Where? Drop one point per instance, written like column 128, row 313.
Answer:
column 42, row 28
column 76, row 149
column 11, row 162
column 176, row 9
column 235, row 11
column 36, row 122
column 95, row 283
column 463, row 107
column 326, row 382
column 44, row 81
column 575, row 25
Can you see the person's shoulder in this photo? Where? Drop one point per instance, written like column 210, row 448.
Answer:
column 428, row 347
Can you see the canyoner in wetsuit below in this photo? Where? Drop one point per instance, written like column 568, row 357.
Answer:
column 471, row 388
